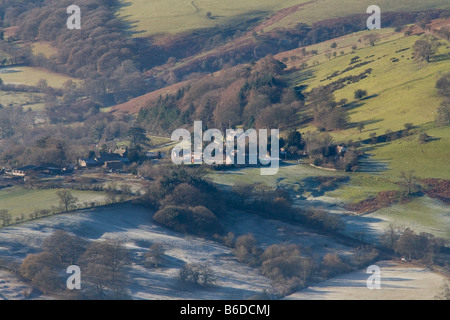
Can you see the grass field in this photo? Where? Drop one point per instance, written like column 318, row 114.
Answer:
column 429, row 160
column 27, row 100
column 18, row 200
column 329, row 9
column 45, row 48
column 289, row 176
column 422, row 214
column 175, row 16
column 30, row 76
column 399, row 92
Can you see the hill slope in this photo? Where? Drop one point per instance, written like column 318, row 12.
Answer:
column 173, row 16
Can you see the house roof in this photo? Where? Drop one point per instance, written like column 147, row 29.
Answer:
column 91, row 161
column 109, row 157
column 28, row 168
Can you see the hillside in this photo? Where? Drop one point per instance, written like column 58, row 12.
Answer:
column 87, row 176
column 150, row 18
column 400, row 90
column 394, row 76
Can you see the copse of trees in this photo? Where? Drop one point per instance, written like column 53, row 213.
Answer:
column 192, row 220
column 289, row 268
column 263, row 200
column 286, row 267
column 324, row 152
column 57, row 143
column 277, row 204
column 410, row 245
column 197, row 274
column 424, row 49
column 185, row 202
column 65, row 247
column 332, row 265
column 100, row 53
column 247, row 250
column 250, row 94
column 327, row 114
column 103, row 264
column 5, row 217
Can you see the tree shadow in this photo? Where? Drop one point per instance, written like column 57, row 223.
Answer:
column 130, row 27
column 368, row 122
column 368, row 165
column 353, row 105
column 370, row 97
column 4, row 70
column 317, row 188
column 441, row 57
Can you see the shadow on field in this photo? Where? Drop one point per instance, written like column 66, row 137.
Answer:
column 368, row 165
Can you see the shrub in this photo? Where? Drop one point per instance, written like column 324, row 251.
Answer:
column 424, row 138
column 359, row 94
column 284, row 265
column 197, row 274
column 246, row 250
column 198, row 220
column 333, row 265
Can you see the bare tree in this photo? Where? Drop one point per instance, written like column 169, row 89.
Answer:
column 243, row 191
column 361, row 126
column 247, row 250
column 5, row 216
column 104, row 264
column 207, row 274
column 424, row 49
column 198, row 274
column 409, row 180
column 406, row 243
column 66, row 199
column 371, row 39
column 155, row 255
column 40, row 270
column 390, row 236
column 65, row 246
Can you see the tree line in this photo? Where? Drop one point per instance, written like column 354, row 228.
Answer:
column 102, row 52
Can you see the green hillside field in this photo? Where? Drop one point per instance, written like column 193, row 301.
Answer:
column 174, row 16
column 400, row 90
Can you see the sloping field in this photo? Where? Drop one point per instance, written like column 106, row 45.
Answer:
column 30, row 76
column 320, row 10
column 134, row 105
column 19, row 201
column 398, row 282
column 133, row 226
column 400, row 90
column 175, row 16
